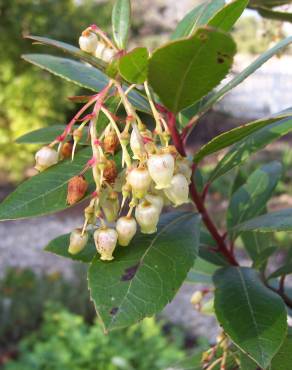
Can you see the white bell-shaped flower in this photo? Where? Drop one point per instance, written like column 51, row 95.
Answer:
column 105, row 243
column 88, row 42
column 77, row 241
column 147, row 216
column 156, row 200
column 140, row 181
column 103, row 52
column 178, row 192
column 45, row 157
column 184, row 167
column 136, row 144
column 110, row 205
column 126, row 228
column 161, row 168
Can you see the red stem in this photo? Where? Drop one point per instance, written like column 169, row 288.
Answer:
column 178, row 142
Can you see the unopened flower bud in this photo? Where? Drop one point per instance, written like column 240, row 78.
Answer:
column 89, row 214
column 222, row 341
column 77, row 135
column 147, row 216
column 105, row 242
column 126, row 228
column 178, row 192
column 110, row 206
column 77, row 241
column 45, row 157
column 140, row 181
column 156, row 200
column 110, row 142
column 77, row 187
column 66, row 150
column 103, row 52
column 161, row 168
column 88, row 42
column 183, row 166
column 207, row 308
column 136, row 144
column 196, row 297
column 110, row 171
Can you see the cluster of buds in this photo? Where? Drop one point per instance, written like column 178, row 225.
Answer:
column 128, row 195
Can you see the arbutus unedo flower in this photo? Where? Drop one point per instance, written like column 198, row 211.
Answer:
column 146, row 175
column 78, row 241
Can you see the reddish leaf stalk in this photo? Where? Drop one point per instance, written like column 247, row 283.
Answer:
column 199, row 202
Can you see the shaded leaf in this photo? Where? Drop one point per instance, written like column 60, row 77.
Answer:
column 145, row 276
column 70, row 49
column 270, row 222
column 242, row 150
column 251, row 198
column 283, row 359
column 258, row 246
column 46, row 192
column 59, row 246
column 197, row 17
column 134, row 65
column 225, row 18
column 201, row 272
column 263, row 319
column 201, row 61
column 274, row 14
column 233, row 136
column 81, row 74
column 283, row 270
column 121, row 18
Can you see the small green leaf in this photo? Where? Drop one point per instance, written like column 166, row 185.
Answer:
column 201, row 61
column 133, row 66
column 46, row 192
column 121, row 18
column 201, row 272
column 225, row 18
column 283, row 270
column 43, row 135
column 81, row 74
column 270, row 222
column 273, row 14
column 145, row 276
column 59, row 246
column 197, row 17
column 70, row 49
column 263, row 58
column 283, row 359
column 233, row 136
column 251, row 198
column 262, row 326
column 242, row 150
column 258, row 247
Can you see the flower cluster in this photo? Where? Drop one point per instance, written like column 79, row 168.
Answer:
column 135, row 170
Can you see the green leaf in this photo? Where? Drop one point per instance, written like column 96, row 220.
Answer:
column 121, row 18
column 252, row 315
column 133, row 66
column 225, row 18
column 233, row 136
column 59, row 246
column 274, row 221
column 246, row 363
column 283, row 359
column 242, row 150
column 283, row 270
column 201, row 272
column 258, row 246
column 70, row 49
column 244, row 74
column 145, row 276
column 251, row 198
column 81, row 74
column 46, row 192
column 197, row 17
column 201, row 61
column 273, row 14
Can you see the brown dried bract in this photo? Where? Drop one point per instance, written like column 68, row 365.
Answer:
column 77, row 188
column 110, row 171
column 111, row 143
column 66, row 150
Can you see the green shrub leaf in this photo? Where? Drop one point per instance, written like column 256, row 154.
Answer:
column 283, row 359
column 242, row 150
column 81, row 74
column 201, row 61
column 274, row 221
column 43, row 135
column 121, row 18
column 262, row 326
column 197, row 17
column 251, row 198
column 46, row 192
column 145, row 276
column 283, row 270
column 225, row 18
column 133, row 66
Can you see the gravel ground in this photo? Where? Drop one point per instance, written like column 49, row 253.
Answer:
column 22, row 243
